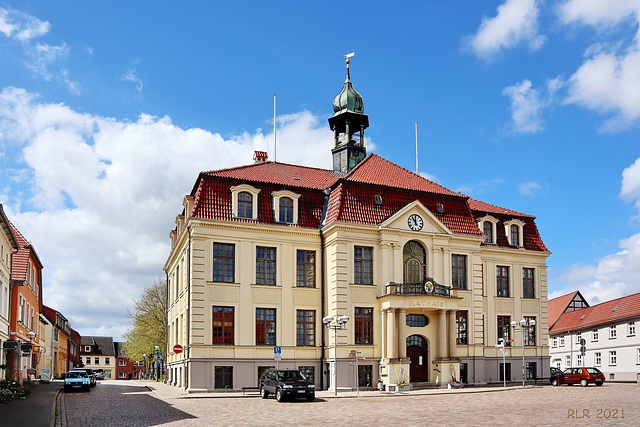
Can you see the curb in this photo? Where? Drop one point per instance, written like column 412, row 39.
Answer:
column 58, row 411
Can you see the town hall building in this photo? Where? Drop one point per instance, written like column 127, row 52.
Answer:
column 368, row 261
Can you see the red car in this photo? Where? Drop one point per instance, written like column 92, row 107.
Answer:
column 582, row 376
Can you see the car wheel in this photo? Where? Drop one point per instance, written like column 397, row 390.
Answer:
column 279, row 395
column 584, row 383
column 263, row 393
column 311, row 397
column 554, row 382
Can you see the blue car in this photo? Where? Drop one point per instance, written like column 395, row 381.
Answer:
column 77, row 380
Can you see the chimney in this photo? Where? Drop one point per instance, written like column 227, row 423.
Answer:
column 260, row 156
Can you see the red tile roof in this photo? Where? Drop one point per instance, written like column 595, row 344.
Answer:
column 558, row 305
column 477, row 205
column 20, row 259
column 598, row 315
column 379, row 171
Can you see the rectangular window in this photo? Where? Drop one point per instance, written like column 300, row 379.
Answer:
column 122, row 375
column 223, row 319
column 265, row 266
column 594, row 335
column 502, row 281
column 459, row 271
column 96, row 361
column 364, row 325
column 265, row 326
column 578, row 337
column 503, row 329
column 363, row 265
column 461, row 328
column 305, row 327
column 638, row 362
column 309, row 373
column 505, row 372
column 562, row 341
column 579, row 360
column 613, row 358
column 88, row 361
column 631, row 328
column 365, row 375
column 223, row 377
column 612, row 331
column 306, row 269
column 223, row 262
column 598, row 359
column 87, row 349
column 528, row 285
column 107, row 361
column 122, row 362
column 532, row 370
column 554, row 342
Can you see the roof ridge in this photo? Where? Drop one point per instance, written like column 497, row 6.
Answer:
column 264, row 163
column 500, row 207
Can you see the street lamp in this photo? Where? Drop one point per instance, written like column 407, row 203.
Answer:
column 158, row 358
column 524, row 323
column 144, row 358
column 31, row 335
column 335, row 323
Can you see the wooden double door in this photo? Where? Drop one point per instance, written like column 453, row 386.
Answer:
column 418, row 353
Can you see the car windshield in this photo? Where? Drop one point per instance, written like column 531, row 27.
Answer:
column 290, row 375
column 76, row 375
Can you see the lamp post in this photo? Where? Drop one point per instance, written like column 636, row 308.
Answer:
column 31, row 335
column 335, row 323
column 144, row 359
column 158, row 358
column 524, row 323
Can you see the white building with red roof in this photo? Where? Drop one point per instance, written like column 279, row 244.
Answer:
column 607, row 331
column 264, row 254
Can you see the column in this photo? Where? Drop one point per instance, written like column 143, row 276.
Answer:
column 392, row 338
column 453, row 332
column 383, row 328
column 402, row 333
column 442, row 334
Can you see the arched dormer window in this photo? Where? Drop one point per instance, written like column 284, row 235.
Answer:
column 414, row 259
column 514, row 229
column 285, row 206
column 244, row 199
column 488, row 226
column 285, row 213
column 245, row 205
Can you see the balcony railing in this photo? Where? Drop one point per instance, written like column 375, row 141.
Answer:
column 428, row 287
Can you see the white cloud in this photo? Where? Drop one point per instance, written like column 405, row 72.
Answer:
column 515, row 22
column 104, row 194
column 131, row 76
column 529, row 188
column 21, row 26
column 597, row 12
column 526, row 107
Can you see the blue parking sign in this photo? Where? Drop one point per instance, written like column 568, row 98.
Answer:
column 277, row 350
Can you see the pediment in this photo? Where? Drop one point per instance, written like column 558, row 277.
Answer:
column 430, row 223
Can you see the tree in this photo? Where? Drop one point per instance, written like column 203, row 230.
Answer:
column 148, row 325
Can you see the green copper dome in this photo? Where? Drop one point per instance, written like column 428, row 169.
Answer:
column 348, row 100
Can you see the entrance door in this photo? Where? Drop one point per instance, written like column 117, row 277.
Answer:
column 418, row 352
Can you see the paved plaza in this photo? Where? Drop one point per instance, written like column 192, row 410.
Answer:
column 146, row 403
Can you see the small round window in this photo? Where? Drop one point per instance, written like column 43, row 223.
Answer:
column 417, row 320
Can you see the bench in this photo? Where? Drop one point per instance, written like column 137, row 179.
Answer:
column 246, row 389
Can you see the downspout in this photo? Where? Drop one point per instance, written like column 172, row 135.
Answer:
column 188, row 350
column 166, row 328
column 323, row 279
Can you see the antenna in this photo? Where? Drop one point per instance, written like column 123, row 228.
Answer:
column 417, row 148
column 275, row 148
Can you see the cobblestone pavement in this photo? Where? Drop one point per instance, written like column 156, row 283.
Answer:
column 144, row 403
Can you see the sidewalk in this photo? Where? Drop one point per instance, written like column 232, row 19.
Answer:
column 165, row 391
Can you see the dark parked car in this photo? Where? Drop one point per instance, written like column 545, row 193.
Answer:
column 554, row 372
column 582, row 376
column 284, row 384
column 89, row 372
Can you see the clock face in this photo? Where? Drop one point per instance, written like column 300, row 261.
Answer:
column 415, row 222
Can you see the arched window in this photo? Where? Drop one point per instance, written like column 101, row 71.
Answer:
column 286, row 210
column 414, row 262
column 245, row 205
column 515, row 235
column 488, row 231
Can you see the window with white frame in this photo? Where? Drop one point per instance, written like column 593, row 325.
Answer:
column 107, row 361
column 244, row 201
column 285, row 206
column 514, row 231
column 554, row 342
column 488, row 226
column 562, row 341
column 122, row 362
column 594, row 335
column 87, row 349
column 598, row 359
column 122, row 375
column 638, row 362
column 88, row 361
column 612, row 331
column 578, row 337
column 631, row 329
column 567, row 362
column 579, row 360
column 613, row 358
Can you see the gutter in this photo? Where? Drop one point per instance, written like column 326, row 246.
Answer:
column 188, row 346
column 326, row 191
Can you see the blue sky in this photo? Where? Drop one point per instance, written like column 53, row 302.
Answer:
column 108, row 110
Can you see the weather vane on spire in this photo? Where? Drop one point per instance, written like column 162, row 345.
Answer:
column 347, row 56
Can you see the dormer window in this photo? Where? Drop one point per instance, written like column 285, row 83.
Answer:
column 286, row 210
column 514, row 231
column 488, row 226
column 285, row 206
column 244, row 199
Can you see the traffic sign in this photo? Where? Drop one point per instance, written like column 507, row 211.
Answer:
column 177, row 349
column 277, row 350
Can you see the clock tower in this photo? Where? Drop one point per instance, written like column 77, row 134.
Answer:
column 348, row 124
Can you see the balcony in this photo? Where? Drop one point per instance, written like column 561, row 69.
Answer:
column 429, row 287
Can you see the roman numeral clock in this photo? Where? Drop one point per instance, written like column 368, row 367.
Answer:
column 415, row 222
